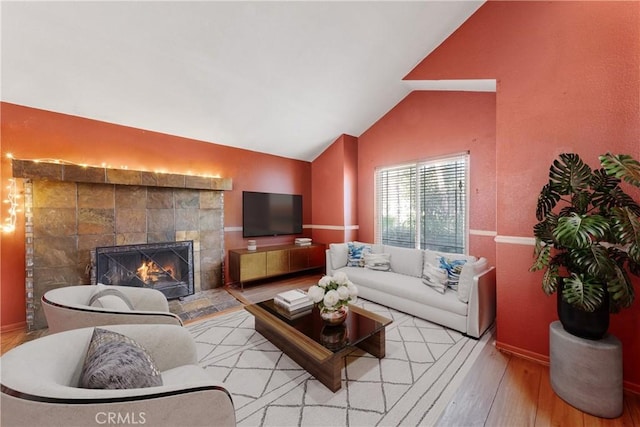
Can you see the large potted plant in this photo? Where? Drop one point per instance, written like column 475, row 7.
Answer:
column 588, row 240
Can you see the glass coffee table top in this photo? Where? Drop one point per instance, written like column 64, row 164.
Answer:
column 359, row 325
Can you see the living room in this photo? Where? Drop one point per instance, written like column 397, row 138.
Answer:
column 567, row 80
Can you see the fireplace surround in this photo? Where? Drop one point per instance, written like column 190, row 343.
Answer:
column 72, row 210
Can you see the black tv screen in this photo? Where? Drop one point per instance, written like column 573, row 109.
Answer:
column 271, row 214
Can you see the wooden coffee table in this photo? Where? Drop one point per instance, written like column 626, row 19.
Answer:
column 319, row 349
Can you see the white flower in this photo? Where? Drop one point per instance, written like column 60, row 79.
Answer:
column 353, row 292
column 341, row 278
column 343, row 292
column 331, row 298
column 325, row 281
column 316, row 293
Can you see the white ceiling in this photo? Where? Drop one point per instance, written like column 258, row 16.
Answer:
column 285, row 78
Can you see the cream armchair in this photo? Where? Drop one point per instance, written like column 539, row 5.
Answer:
column 40, row 384
column 68, row 308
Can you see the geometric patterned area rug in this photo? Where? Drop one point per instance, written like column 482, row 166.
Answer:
column 412, row 385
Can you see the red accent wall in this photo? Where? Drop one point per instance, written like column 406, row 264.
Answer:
column 568, row 80
column 30, row 133
column 334, row 187
column 433, row 124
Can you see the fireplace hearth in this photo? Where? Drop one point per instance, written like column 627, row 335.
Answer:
column 167, row 267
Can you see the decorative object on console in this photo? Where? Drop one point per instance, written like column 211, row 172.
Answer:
column 302, row 241
column 251, row 245
column 588, row 246
column 332, row 295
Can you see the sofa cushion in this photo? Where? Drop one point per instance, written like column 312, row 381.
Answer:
column 407, row 261
column 406, row 287
column 110, row 298
column 357, row 251
column 377, row 261
column 339, row 253
column 469, row 270
column 115, row 361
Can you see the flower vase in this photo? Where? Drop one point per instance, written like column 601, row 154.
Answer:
column 334, row 317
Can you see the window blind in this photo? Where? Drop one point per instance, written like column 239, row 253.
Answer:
column 424, row 205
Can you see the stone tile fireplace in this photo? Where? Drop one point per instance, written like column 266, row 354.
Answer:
column 72, row 210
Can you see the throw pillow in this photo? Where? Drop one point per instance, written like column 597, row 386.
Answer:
column 110, row 298
column 435, row 278
column 469, row 270
column 380, row 262
column 453, row 268
column 356, row 254
column 115, row 361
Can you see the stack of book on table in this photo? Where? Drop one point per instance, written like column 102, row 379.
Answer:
column 293, row 304
column 302, row 241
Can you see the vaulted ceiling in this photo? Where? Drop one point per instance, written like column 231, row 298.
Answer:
column 285, row 78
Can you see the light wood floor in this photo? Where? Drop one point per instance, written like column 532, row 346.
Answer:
column 500, row 390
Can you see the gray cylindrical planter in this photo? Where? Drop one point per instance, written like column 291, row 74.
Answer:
column 587, row 374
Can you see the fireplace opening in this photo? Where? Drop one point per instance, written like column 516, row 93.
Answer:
column 167, row 267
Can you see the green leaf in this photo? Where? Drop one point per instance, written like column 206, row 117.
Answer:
column 542, row 254
column 626, row 227
column 620, row 291
column 550, row 280
column 544, row 229
column 622, row 166
column 570, row 174
column 547, row 200
column 594, row 260
column 583, row 292
column 578, row 231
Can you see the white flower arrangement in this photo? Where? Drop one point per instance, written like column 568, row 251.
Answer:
column 333, row 292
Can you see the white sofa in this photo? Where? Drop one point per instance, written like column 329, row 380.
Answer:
column 403, row 287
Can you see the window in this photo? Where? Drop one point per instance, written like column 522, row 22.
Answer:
column 424, row 205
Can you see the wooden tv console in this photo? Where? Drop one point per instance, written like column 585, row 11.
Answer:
column 269, row 261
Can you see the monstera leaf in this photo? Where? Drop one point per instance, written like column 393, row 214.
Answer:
column 623, row 167
column 583, row 292
column 570, row 174
column 547, row 200
column 578, row 231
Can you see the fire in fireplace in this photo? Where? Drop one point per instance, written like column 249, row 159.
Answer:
column 167, row 267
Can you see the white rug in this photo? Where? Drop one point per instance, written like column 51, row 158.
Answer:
column 411, row 386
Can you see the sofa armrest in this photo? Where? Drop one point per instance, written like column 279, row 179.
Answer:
column 329, row 266
column 482, row 303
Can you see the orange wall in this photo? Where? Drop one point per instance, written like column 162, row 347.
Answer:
column 433, row 124
column 334, row 188
column 568, row 80
column 29, row 133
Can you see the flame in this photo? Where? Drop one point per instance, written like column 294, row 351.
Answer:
column 149, row 271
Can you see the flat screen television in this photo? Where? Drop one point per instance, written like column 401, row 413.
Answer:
column 271, row 214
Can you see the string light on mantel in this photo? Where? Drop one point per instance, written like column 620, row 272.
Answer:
column 109, row 166
column 9, row 224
